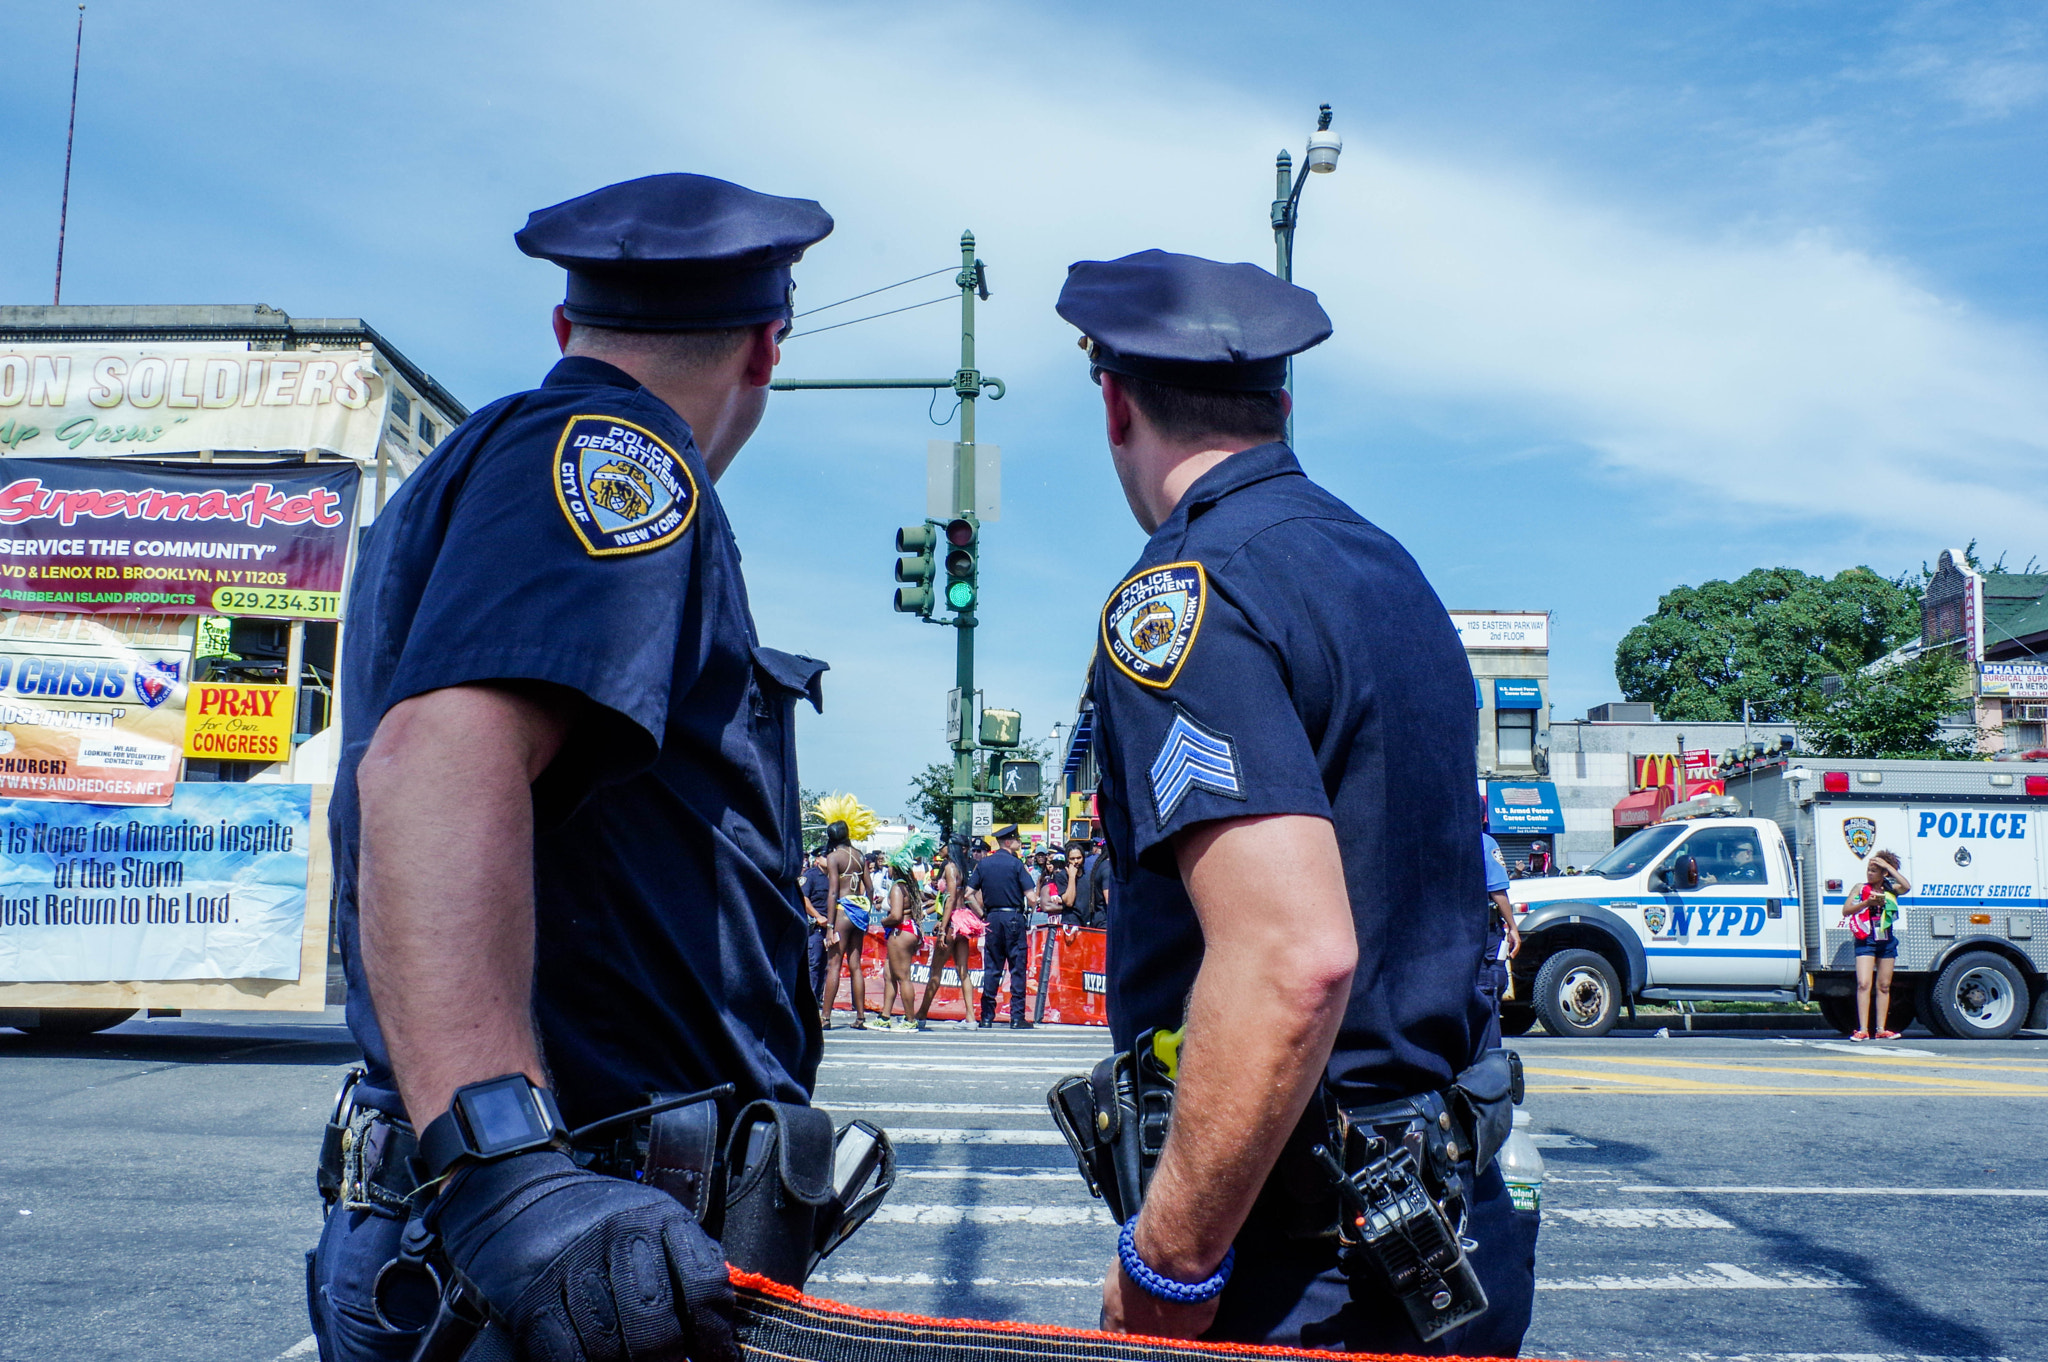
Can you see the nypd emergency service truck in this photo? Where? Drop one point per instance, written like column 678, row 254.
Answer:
column 1737, row 897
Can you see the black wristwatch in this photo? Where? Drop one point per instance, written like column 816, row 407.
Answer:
column 491, row 1120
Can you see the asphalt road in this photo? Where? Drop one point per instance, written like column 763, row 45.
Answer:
column 1710, row 1196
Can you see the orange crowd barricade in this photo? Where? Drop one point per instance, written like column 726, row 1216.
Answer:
column 1072, row 992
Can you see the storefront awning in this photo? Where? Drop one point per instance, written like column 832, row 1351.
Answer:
column 1642, row 808
column 1522, row 807
column 1517, row 694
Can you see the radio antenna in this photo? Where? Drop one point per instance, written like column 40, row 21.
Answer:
column 64, row 210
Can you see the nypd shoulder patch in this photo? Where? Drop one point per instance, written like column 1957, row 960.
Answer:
column 1151, row 621
column 621, row 487
column 1192, row 757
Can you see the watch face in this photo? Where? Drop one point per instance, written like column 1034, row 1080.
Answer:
column 501, row 1115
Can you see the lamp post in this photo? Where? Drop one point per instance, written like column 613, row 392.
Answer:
column 1321, row 158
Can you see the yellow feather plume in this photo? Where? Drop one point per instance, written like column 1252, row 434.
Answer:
column 844, row 808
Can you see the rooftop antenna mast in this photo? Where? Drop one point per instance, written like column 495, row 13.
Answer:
column 64, row 211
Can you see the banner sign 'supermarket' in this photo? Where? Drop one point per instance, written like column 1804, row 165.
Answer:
column 118, row 536
column 113, row 399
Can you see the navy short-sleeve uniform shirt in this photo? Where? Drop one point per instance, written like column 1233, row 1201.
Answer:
column 1271, row 652
column 1002, row 880
column 570, row 536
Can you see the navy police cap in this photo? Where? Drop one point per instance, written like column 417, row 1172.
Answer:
column 1191, row 322
column 675, row 252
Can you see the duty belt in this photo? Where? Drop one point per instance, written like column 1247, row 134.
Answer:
column 1382, row 1178
column 366, row 1157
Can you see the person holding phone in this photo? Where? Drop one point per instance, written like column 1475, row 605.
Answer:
column 1870, row 914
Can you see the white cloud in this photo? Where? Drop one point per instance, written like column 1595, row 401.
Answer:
column 1737, row 372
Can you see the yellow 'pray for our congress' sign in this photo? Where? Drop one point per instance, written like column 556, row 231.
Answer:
column 238, row 723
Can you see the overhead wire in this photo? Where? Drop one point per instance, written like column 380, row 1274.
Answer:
column 817, row 330
column 827, row 307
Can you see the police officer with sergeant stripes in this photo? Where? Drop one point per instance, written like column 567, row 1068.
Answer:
column 1285, row 732
column 565, row 827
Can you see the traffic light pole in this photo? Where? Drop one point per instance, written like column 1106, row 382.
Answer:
column 967, row 383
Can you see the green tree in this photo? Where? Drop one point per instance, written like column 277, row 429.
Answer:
column 1895, row 712
column 1768, row 637
column 931, row 790
column 931, row 797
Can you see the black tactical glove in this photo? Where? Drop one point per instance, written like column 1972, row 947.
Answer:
column 580, row 1267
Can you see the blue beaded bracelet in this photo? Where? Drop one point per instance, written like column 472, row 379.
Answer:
column 1166, row 1288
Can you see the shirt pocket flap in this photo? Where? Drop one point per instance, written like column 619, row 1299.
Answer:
column 799, row 675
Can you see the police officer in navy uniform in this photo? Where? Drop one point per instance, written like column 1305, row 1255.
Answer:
column 565, row 826
column 1003, row 885
column 1286, row 738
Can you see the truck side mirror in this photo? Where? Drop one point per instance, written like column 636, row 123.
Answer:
column 1688, row 873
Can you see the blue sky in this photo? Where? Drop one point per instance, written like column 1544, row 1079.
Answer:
column 1625, row 295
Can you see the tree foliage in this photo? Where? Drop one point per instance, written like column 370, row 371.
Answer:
column 1894, row 712
column 1768, row 637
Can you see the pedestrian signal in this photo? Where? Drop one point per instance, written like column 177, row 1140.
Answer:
column 1020, row 778
column 916, row 568
column 961, row 587
column 1001, row 728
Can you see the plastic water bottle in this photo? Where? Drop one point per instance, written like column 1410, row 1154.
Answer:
column 1521, row 1165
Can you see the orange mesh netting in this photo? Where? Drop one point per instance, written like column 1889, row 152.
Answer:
column 779, row 1323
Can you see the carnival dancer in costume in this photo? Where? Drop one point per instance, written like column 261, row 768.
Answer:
column 900, row 929
column 847, row 821
column 959, row 928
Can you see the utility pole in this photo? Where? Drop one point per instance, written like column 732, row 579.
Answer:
column 70, row 135
column 949, row 547
column 967, row 383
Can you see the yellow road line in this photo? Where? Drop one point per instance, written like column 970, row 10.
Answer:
column 1920, row 1080
column 1970, row 1065
column 1734, row 1090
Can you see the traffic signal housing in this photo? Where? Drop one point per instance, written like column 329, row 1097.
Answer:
column 916, row 568
column 962, row 587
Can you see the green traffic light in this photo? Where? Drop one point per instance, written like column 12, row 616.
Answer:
column 960, row 595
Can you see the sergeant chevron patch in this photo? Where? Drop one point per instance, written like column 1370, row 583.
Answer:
column 1192, row 757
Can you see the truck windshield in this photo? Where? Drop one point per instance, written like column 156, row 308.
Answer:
column 1638, row 851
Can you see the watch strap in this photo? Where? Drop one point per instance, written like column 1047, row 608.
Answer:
column 447, row 1139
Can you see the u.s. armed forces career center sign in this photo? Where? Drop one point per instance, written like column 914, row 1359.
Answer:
column 95, row 399
column 100, row 535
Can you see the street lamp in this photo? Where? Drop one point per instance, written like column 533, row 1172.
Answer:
column 1324, row 147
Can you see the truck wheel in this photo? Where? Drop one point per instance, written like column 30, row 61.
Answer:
column 1516, row 1019
column 1577, row 994
column 1840, row 1013
column 1924, row 1008
column 1981, row 996
column 78, row 1021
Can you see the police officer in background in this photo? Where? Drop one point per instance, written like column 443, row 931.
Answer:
column 1286, row 735
column 1003, row 886
column 822, row 944
column 565, row 825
